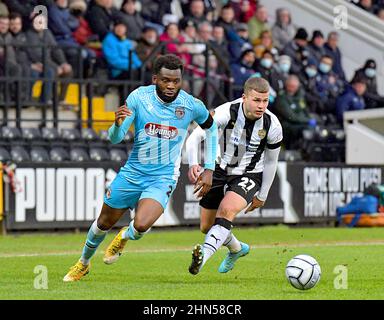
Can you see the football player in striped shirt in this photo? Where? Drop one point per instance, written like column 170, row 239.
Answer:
column 250, row 143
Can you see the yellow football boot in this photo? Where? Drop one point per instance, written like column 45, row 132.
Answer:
column 76, row 272
column 115, row 248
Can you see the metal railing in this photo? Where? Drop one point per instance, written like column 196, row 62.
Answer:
column 212, row 84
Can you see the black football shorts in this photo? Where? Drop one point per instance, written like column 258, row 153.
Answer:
column 245, row 185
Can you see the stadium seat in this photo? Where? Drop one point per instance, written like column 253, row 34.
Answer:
column 39, row 154
column 78, row 155
column 4, row 155
column 58, row 154
column 70, row 134
column 129, row 137
column 19, row 154
column 88, row 134
column 103, row 134
column 118, row 155
column 10, row 133
column 98, row 154
column 31, row 134
column 50, row 134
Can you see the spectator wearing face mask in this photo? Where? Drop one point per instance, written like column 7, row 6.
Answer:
column 371, row 96
column 282, row 68
column 297, row 49
column 291, row 109
column 316, row 45
column 352, row 98
column 265, row 66
column 332, row 50
column 327, row 84
column 308, row 81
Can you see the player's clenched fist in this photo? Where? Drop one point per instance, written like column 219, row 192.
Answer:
column 204, row 183
column 194, row 172
column 121, row 114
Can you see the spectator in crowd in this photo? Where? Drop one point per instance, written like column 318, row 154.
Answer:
column 367, row 5
column 244, row 9
column 380, row 13
column 196, row 12
column 308, row 81
column 297, row 49
column 47, row 65
column 19, row 43
column 153, row 10
column 242, row 70
column 258, row 23
column 62, row 25
column 265, row 67
column 219, row 45
column 332, row 49
column 148, row 41
column 4, row 12
column 132, row 19
column 100, row 16
column 368, row 74
column 238, row 45
column 25, row 8
column 282, row 69
column 352, row 98
column 316, row 46
column 116, row 49
column 265, row 42
column 228, row 22
column 8, row 64
column 327, row 84
column 283, row 30
column 83, row 35
column 291, row 108
column 175, row 42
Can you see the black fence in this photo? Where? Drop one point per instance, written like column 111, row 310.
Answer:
column 213, row 87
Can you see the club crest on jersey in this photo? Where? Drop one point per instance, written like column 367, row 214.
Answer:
column 180, row 112
column 160, row 131
column 262, row 133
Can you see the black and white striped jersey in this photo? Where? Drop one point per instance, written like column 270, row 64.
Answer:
column 243, row 141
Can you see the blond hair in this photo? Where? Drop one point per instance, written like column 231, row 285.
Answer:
column 260, row 85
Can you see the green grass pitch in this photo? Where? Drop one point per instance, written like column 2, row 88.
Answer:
column 156, row 267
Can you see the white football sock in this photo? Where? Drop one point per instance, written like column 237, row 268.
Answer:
column 214, row 240
column 232, row 243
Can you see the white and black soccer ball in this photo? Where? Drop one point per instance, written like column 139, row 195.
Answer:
column 303, row 272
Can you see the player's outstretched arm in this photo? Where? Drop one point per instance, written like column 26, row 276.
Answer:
column 123, row 120
column 192, row 148
column 271, row 158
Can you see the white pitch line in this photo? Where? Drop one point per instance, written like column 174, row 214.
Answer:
column 266, row 246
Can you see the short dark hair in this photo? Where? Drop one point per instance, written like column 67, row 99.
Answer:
column 15, row 15
column 168, row 61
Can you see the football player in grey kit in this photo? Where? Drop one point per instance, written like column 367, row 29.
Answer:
column 244, row 172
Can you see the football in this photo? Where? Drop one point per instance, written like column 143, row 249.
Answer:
column 303, row 272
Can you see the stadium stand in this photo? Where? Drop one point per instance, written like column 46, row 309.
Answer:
column 56, row 95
